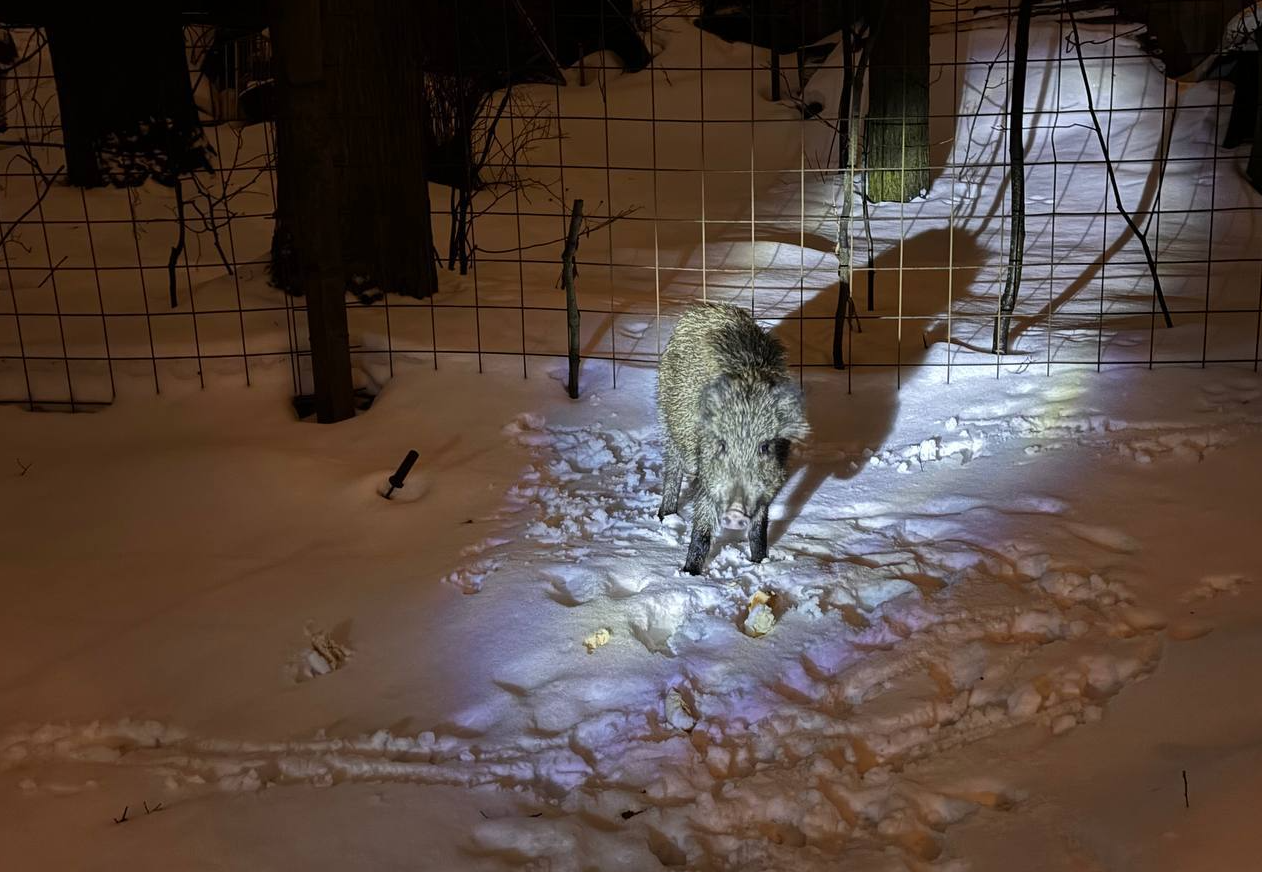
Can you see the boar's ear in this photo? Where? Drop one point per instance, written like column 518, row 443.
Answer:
column 712, row 396
column 790, row 418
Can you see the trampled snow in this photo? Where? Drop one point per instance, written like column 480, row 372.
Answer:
column 220, row 617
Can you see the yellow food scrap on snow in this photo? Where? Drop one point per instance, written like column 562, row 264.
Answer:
column 597, row 639
column 760, row 619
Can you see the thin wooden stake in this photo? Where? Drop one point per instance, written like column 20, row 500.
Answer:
column 568, row 271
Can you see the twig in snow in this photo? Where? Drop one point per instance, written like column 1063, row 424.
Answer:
column 123, row 819
column 149, row 810
column 26, row 467
column 1108, row 168
column 1186, row 802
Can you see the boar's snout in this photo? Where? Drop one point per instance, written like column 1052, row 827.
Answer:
column 735, row 518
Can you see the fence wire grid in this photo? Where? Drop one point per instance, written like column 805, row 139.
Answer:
column 715, row 173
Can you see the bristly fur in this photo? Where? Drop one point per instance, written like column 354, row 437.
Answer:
column 731, row 412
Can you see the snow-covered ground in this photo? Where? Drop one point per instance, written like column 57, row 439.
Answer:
column 1004, row 629
column 1017, row 609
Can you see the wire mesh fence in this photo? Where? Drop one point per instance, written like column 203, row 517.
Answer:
column 719, row 171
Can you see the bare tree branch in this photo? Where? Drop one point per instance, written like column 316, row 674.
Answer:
column 588, row 230
column 1112, row 175
column 8, row 231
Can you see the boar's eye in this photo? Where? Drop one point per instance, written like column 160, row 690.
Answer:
column 765, row 448
column 721, row 447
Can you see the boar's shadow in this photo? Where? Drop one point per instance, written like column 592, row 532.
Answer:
column 869, row 393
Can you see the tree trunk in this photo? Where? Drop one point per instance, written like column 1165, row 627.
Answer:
column 70, row 70
column 897, row 133
column 381, row 206
column 1016, row 181
column 1254, row 169
column 125, row 99
column 306, row 246
column 379, row 95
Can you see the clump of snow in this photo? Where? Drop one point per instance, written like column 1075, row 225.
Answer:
column 679, row 713
column 527, row 429
column 324, row 654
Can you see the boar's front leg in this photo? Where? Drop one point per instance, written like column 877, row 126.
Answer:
column 699, row 547
column 758, row 536
column 672, row 482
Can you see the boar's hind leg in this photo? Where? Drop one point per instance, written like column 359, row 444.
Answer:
column 672, row 481
column 699, row 547
column 758, row 536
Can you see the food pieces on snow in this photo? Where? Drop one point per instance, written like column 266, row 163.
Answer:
column 761, row 618
column 597, row 639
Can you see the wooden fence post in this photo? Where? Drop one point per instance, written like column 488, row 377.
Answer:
column 568, row 272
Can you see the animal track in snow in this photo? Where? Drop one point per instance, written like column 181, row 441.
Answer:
column 469, row 579
column 963, row 440
column 573, row 584
column 1179, row 445
column 1211, row 586
column 898, row 636
column 56, row 788
column 325, row 653
column 958, row 444
column 1234, row 393
column 1104, row 537
column 1059, row 424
